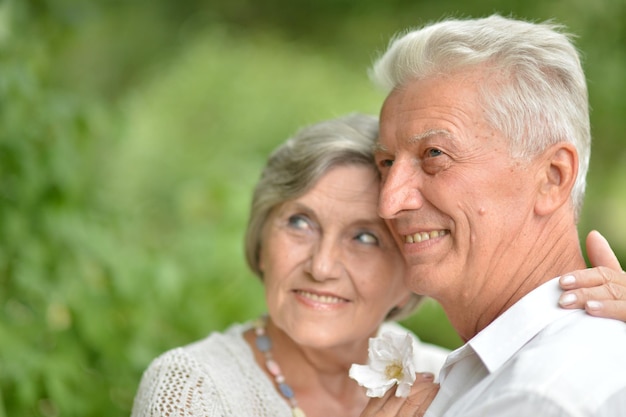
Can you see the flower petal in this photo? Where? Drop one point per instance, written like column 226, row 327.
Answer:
column 403, row 389
column 387, row 353
column 366, row 376
column 379, row 391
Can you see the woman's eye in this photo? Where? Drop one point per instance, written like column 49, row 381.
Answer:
column 367, row 238
column 298, row 222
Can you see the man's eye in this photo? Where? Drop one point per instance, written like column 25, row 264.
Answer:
column 433, row 152
column 385, row 163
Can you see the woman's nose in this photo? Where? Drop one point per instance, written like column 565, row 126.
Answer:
column 325, row 261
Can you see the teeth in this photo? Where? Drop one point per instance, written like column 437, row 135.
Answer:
column 422, row 236
column 326, row 299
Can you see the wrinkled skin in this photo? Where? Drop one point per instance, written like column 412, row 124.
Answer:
column 600, row 290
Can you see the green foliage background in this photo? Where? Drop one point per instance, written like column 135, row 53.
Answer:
column 131, row 134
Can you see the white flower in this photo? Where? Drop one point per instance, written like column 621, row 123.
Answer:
column 390, row 362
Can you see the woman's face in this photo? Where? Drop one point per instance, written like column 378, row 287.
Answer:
column 330, row 267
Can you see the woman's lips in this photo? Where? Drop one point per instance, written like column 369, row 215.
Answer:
column 320, row 298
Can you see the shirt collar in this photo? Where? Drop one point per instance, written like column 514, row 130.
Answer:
column 499, row 341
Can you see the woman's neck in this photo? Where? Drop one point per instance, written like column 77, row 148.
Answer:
column 318, row 377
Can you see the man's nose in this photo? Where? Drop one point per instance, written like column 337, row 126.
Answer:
column 400, row 191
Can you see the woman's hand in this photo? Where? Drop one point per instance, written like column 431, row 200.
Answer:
column 601, row 291
column 422, row 393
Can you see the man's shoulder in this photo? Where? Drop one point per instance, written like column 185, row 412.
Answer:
column 571, row 364
column 576, row 356
column 585, row 330
column 577, row 338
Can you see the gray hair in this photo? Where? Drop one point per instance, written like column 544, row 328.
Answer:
column 294, row 168
column 538, row 96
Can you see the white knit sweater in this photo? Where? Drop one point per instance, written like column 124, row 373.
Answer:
column 218, row 376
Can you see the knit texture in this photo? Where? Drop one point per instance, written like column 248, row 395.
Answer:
column 218, row 376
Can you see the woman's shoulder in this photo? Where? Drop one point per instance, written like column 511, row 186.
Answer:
column 197, row 370
column 216, row 348
column 213, row 376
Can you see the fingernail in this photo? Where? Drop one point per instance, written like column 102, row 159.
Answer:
column 568, row 279
column 594, row 305
column 427, row 375
column 567, row 299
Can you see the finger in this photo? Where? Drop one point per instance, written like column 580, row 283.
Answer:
column 429, row 399
column 387, row 405
column 612, row 289
column 417, row 407
column 390, row 405
column 599, row 251
column 601, row 256
column 420, row 396
column 592, row 278
column 610, row 309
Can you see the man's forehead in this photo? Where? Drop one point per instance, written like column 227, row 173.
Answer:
column 415, row 138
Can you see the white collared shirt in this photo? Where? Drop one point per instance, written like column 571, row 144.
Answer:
column 537, row 360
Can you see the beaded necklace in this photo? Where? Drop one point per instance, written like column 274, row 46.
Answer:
column 264, row 344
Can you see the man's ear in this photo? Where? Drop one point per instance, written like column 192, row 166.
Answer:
column 557, row 175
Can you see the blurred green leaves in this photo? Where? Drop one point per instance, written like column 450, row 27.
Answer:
column 131, row 134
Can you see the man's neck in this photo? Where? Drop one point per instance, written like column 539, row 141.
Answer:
column 541, row 262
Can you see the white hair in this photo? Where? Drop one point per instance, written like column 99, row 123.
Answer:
column 538, row 95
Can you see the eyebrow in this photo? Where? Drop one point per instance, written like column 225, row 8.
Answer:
column 429, row 134
column 379, row 147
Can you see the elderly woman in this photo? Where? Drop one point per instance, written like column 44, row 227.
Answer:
column 333, row 278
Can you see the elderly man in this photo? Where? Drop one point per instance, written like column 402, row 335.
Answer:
column 484, row 148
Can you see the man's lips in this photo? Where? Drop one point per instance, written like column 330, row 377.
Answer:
column 423, row 236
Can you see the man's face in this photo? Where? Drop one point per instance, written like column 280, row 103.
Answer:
column 452, row 195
